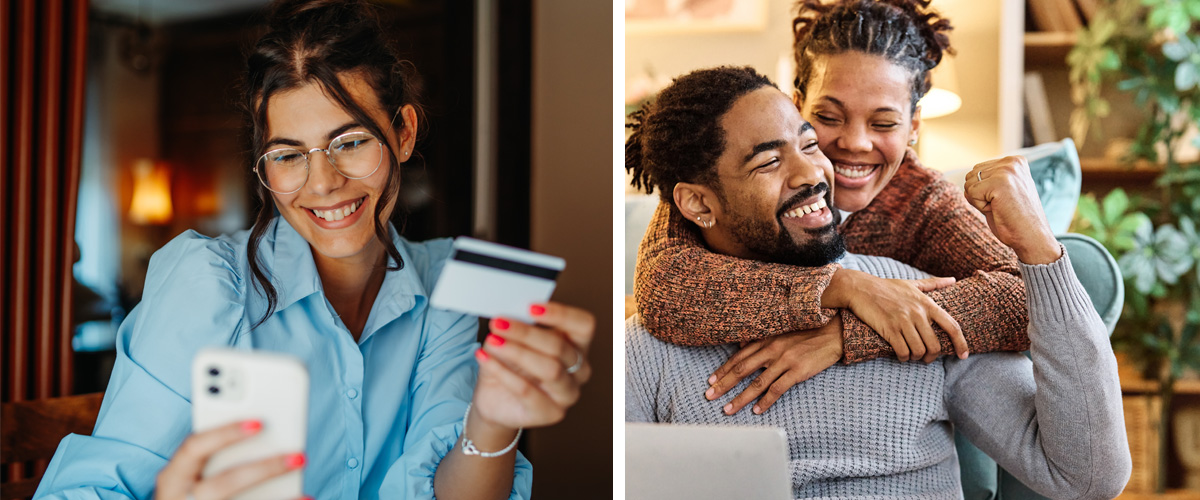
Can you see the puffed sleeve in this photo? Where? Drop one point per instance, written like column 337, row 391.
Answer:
column 192, row 299
column 443, row 381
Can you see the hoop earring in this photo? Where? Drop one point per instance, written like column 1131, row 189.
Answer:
column 705, row 224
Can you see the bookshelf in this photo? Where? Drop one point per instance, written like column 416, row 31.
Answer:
column 1050, row 33
column 1045, row 52
column 1048, row 47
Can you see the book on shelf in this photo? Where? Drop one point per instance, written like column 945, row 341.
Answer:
column 1088, row 8
column 1070, row 16
column 1037, row 107
column 1045, row 16
column 1054, row 15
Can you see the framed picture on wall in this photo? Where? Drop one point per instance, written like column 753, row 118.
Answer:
column 688, row 16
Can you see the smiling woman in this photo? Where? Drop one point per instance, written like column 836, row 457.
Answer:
column 404, row 403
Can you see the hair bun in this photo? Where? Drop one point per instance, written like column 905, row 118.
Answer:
column 287, row 13
column 932, row 26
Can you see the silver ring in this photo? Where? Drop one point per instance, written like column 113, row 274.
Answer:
column 578, row 363
column 978, row 175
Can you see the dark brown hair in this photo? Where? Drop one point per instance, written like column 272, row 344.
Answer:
column 316, row 41
column 679, row 137
column 905, row 32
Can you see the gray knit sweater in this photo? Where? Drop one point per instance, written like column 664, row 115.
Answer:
column 884, row 428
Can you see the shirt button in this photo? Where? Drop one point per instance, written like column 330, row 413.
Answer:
column 352, row 463
column 352, row 394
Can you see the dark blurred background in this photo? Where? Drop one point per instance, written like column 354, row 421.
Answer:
column 517, row 150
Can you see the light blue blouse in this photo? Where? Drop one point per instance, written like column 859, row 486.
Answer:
column 383, row 411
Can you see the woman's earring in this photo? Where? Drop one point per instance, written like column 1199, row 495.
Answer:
column 912, row 142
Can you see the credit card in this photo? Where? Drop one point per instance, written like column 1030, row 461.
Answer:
column 489, row 280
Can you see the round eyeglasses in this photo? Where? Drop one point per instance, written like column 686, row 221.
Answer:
column 355, row 155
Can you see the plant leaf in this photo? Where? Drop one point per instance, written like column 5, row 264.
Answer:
column 1089, row 211
column 1137, row 267
column 1186, row 76
column 1174, row 51
column 1109, row 60
column 1131, row 222
column 1115, row 205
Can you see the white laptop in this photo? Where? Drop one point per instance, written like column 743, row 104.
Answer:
column 664, row 462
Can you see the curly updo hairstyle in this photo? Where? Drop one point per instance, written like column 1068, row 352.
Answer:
column 678, row 138
column 905, row 32
column 316, row 41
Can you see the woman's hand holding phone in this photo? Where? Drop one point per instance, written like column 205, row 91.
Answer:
column 181, row 478
column 529, row 375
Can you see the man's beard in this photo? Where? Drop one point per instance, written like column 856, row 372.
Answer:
column 773, row 243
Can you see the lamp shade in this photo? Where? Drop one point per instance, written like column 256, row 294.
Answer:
column 151, row 193
column 943, row 98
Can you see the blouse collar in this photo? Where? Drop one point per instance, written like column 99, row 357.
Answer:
column 295, row 274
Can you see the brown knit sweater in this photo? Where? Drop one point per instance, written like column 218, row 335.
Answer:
column 689, row 295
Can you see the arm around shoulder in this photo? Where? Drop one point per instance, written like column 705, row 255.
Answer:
column 689, row 295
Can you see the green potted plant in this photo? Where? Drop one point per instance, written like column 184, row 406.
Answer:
column 1150, row 48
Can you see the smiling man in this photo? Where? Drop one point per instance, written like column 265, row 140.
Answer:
column 732, row 153
column 795, row 225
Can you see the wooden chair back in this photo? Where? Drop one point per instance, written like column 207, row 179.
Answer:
column 31, row 430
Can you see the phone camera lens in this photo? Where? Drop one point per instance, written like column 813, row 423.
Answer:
column 214, row 389
column 214, row 371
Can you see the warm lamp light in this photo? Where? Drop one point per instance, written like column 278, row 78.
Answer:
column 942, row 99
column 151, row 193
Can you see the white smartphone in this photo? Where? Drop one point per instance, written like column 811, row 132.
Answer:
column 231, row 385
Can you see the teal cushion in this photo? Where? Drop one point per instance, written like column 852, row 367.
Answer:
column 1099, row 275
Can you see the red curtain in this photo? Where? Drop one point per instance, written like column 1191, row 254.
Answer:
column 42, row 63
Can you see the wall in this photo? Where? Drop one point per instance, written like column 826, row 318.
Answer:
column 972, row 134
column 122, row 105
column 988, row 124
column 673, row 54
column 571, row 211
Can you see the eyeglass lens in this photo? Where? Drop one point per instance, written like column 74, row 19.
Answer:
column 354, row 155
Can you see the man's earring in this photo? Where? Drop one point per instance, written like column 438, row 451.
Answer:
column 705, row 224
column 912, row 142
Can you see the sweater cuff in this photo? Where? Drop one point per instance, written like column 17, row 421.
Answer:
column 804, row 297
column 1053, row 292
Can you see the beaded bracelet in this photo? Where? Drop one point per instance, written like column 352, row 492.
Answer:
column 468, row 447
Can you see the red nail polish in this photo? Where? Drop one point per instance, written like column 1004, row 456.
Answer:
column 481, row 356
column 537, row 310
column 495, row 340
column 500, row 324
column 295, row 461
column 251, row 427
